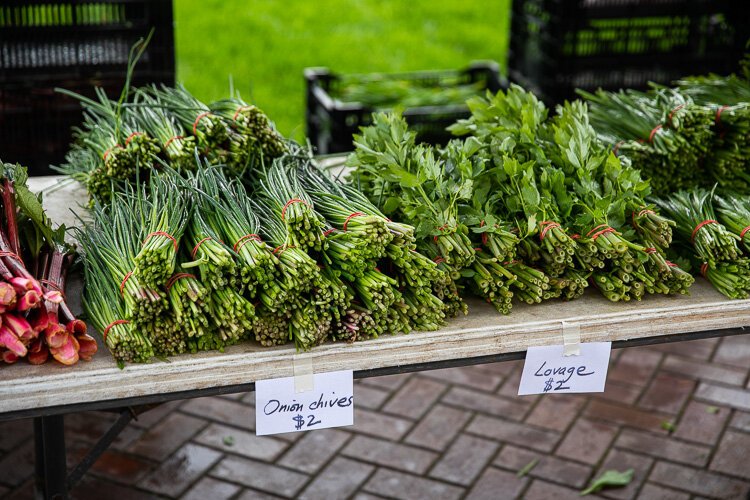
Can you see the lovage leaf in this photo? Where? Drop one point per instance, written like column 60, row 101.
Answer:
column 609, row 479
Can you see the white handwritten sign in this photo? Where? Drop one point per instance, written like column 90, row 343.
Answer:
column 548, row 371
column 279, row 408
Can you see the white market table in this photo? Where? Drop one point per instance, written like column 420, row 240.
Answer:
column 48, row 391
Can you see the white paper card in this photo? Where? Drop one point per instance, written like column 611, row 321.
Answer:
column 279, row 408
column 547, row 370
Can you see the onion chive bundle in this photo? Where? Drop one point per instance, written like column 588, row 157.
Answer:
column 112, row 132
column 308, row 328
column 209, row 130
column 378, row 294
column 177, row 146
column 332, row 296
column 288, row 201
column 106, row 311
column 164, row 214
column 726, row 99
column 271, row 327
column 356, row 324
column 258, row 137
column 232, row 315
column 633, row 123
column 734, row 213
column 297, row 271
column 357, row 225
column 403, row 233
column 229, row 209
column 113, row 240
column 190, row 307
column 697, row 225
column 731, row 278
column 215, row 262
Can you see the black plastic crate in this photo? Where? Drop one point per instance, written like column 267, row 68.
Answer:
column 332, row 123
column 557, row 46
column 77, row 45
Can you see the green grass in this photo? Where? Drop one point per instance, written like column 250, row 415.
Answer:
column 264, row 45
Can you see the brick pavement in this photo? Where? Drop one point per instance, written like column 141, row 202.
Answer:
column 454, row 433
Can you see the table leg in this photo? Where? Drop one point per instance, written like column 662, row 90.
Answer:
column 51, row 468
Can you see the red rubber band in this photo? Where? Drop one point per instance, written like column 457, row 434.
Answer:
column 162, row 233
column 617, row 147
column 198, row 119
column 240, row 110
column 704, row 269
column 11, row 255
column 602, row 233
column 248, row 237
column 355, row 214
column 719, row 111
column 197, row 245
column 478, row 249
column 113, row 324
column 293, row 200
column 283, row 249
column 125, row 280
column 106, row 153
column 595, row 229
column 671, row 264
column 548, row 225
column 326, row 233
column 650, row 250
column 441, row 229
column 439, row 260
column 484, row 235
column 130, row 137
column 177, row 277
column 653, row 133
column 176, row 137
column 742, row 233
column 671, row 113
column 575, row 236
column 704, row 223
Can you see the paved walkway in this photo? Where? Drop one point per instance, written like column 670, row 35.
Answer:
column 678, row 414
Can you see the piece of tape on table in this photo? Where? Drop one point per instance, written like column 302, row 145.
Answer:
column 571, row 339
column 303, row 373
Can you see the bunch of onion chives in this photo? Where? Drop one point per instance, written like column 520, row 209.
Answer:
column 697, row 225
column 210, row 131
column 297, row 271
column 257, row 135
column 290, row 204
column 239, row 226
column 177, row 146
column 105, row 307
column 165, row 209
column 215, row 261
column 734, row 213
column 116, row 239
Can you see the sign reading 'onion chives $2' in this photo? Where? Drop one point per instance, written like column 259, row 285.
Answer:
column 281, row 406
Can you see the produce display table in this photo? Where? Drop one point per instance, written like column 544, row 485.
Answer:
column 483, row 336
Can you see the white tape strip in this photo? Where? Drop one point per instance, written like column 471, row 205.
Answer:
column 571, row 339
column 303, row 373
